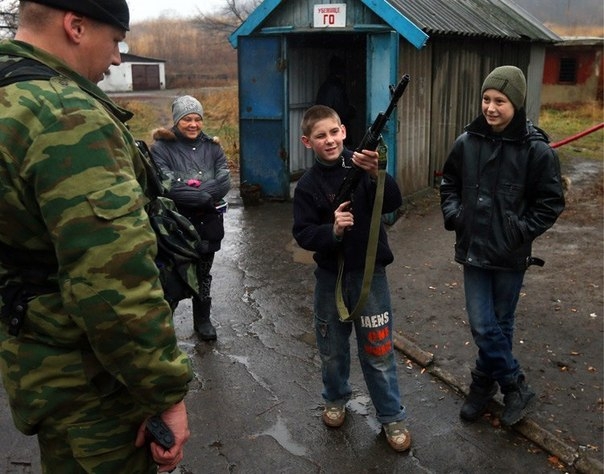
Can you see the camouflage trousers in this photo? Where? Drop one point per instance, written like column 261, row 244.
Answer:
column 95, row 437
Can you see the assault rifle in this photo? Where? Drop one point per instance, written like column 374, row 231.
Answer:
column 370, row 142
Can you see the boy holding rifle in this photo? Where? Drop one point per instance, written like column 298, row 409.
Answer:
column 344, row 232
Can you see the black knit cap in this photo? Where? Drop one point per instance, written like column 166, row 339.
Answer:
column 112, row 12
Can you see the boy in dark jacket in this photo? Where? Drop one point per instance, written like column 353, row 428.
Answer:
column 501, row 189
column 330, row 232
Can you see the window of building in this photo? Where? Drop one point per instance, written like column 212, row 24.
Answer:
column 568, row 71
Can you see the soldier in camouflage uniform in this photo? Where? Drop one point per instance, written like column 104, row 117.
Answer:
column 96, row 354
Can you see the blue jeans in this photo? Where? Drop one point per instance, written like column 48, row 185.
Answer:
column 374, row 341
column 491, row 298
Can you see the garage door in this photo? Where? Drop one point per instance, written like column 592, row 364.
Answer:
column 145, row 77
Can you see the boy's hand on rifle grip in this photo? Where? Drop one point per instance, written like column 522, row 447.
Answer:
column 367, row 160
column 343, row 219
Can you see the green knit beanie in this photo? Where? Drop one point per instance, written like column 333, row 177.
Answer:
column 508, row 80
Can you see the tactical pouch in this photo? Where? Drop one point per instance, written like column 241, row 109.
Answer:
column 14, row 307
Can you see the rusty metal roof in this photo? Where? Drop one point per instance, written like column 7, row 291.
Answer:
column 479, row 18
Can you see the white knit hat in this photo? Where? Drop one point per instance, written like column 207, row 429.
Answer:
column 185, row 105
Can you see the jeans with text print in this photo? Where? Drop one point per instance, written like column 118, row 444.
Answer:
column 373, row 330
column 491, row 299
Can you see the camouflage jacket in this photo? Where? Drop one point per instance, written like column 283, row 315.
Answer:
column 71, row 192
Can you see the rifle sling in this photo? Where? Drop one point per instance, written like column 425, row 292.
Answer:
column 374, row 233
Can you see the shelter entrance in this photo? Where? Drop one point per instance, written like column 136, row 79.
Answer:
column 308, row 59
column 282, row 82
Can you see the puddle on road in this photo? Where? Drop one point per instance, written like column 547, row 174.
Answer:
column 245, row 362
column 281, row 434
column 359, row 405
column 580, row 171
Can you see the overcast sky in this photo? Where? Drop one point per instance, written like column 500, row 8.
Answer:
column 149, row 9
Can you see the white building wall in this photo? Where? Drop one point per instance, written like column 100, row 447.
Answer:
column 162, row 76
column 118, row 79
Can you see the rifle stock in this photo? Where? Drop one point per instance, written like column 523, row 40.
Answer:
column 370, row 142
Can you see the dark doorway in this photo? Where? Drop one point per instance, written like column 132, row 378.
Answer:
column 308, row 66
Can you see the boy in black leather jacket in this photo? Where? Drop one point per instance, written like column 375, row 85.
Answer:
column 501, row 189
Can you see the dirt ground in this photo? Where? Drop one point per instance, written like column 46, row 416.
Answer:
column 559, row 326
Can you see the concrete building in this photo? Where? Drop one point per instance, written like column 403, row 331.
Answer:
column 574, row 71
column 135, row 73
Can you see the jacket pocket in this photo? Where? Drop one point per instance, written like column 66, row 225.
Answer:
column 211, row 227
column 458, row 219
column 511, row 229
column 117, row 201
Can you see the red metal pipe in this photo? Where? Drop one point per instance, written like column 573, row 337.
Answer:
column 438, row 173
column 578, row 135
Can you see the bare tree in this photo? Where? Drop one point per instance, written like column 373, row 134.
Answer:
column 9, row 15
column 228, row 18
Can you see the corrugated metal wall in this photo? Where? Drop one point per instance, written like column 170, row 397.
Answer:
column 413, row 146
column 307, row 68
column 459, row 67
column 534, row 79
column 456, row 81
column 443, row 95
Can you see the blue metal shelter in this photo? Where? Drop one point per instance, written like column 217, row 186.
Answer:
column 277, row 82
column 283, row 51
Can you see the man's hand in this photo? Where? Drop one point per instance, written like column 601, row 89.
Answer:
column 367, row 160
column 176, row 419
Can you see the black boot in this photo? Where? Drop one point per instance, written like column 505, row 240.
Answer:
column 518, row 400
column 201, row 319
column 482, row 391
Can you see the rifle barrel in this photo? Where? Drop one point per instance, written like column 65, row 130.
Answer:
column 370, row 141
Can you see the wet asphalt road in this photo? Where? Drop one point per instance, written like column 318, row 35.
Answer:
column 255, row 404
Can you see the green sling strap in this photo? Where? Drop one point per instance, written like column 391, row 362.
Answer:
column 374, row 233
